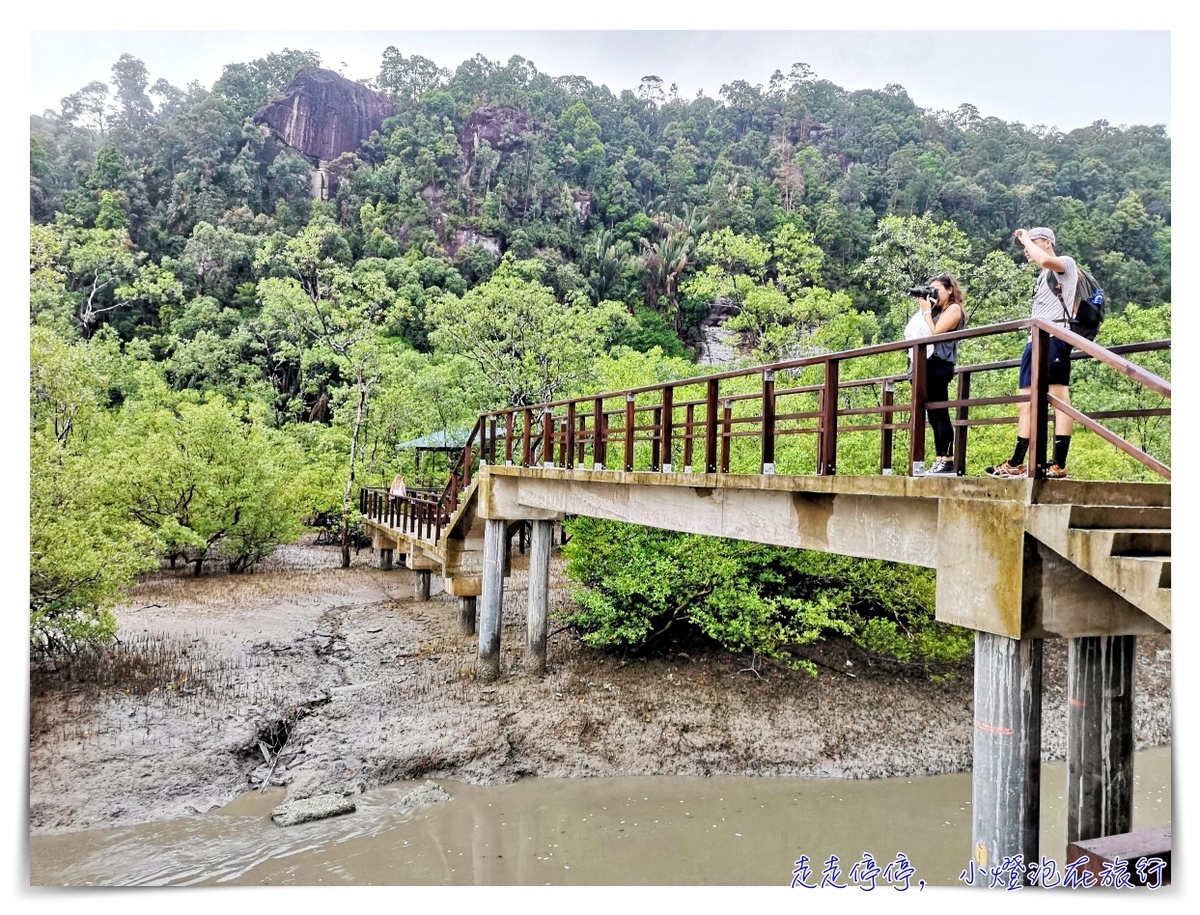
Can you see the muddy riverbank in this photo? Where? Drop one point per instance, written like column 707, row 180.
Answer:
column 320, row 680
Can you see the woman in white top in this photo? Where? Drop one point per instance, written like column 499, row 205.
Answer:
column 942, row 314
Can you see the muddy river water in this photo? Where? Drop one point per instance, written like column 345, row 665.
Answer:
column 636, row 830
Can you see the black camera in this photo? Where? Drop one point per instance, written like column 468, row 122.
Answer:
column 923, row 292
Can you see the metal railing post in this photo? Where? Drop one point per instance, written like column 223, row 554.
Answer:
column 668, row 429
column 710, row 427
column 689, row 435
column 885, row 430
column 629, row 420
column 568, row 447
column 827, row 440
column 547, row 438
column 768, row 422
column 1039, row 406
column 656, row 438
column 962, row 413
column 527, row 438
column 916, row 419
column 599, row 435
column 726, row 430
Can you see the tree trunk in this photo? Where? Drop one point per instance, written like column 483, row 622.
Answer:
column 358, row 421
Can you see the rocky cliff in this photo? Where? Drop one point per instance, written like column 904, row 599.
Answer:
column 501, row 127
column 323, row 115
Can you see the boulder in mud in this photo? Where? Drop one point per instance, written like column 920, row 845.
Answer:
column 428, row 793
column 323, row 806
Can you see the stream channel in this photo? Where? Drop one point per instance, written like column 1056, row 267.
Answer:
column 664, row 830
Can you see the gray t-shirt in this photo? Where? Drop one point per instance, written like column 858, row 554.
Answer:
column 1046, row 305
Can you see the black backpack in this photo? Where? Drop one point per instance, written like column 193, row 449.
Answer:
column 1088, row 314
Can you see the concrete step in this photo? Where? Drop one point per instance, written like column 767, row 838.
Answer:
column 1120, row 517
column 1141, row 543
column 1142, row 577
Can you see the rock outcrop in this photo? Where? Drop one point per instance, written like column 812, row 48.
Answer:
column 582, row 201
column 501, row 127
column 321, row 807
column 323, row 115
column 468, row 236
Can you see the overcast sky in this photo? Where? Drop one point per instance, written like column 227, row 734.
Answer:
column 1014, row 75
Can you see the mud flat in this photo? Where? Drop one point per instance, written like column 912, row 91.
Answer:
column 332, row 681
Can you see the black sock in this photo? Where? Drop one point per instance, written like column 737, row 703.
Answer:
column 1062, row 444
column 1018, row 457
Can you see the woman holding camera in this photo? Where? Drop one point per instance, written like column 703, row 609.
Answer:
column 943, row 313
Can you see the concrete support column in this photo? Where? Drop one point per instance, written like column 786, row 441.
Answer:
column 466, row 615
column 495, row 541
column 1006, row 773
column 421, row 579
column 385, row 560
column 1099, row 736
column 540, row 543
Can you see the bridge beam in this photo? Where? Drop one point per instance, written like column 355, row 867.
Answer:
column 418, row 561
column 463, row 584
column 495, row 540
column 1099, row 736
column 1006, row 771
column 540, row 542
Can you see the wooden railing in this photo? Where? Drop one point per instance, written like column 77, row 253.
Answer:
column 700, row 420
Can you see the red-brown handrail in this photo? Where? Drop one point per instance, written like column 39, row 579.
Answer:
column 561, row 433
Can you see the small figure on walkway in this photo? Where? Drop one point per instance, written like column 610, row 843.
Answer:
column 1054, row 285
column 397, row 490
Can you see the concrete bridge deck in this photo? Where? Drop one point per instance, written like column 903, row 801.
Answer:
column 1019, row 558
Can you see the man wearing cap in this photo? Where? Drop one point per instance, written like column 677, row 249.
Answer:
column 1039, row 248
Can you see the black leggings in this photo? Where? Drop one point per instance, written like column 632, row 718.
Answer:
column 938, row 374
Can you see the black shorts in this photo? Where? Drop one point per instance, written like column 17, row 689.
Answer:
column 1060, row 363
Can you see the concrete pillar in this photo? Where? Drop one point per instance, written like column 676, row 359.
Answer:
column 540, row 542
column 421, row 583
column 494, row 543
column 1099, row 736
column 466, row 615
column 1006, row 772
column 385, row 560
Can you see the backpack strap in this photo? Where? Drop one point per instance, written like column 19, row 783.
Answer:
column 1056, row 288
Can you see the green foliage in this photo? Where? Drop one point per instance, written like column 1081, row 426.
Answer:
column 635, row 584
column 83, row 549
column 530, row 348
column 649, row 330
column 909, row 251
column 206, row 479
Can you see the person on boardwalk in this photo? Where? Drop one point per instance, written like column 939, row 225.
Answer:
column 1057, row 270
column 942, row 313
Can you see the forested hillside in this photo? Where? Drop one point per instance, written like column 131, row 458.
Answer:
column 218, row 354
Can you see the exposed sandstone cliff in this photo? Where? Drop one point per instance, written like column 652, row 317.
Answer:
column 323, row 115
